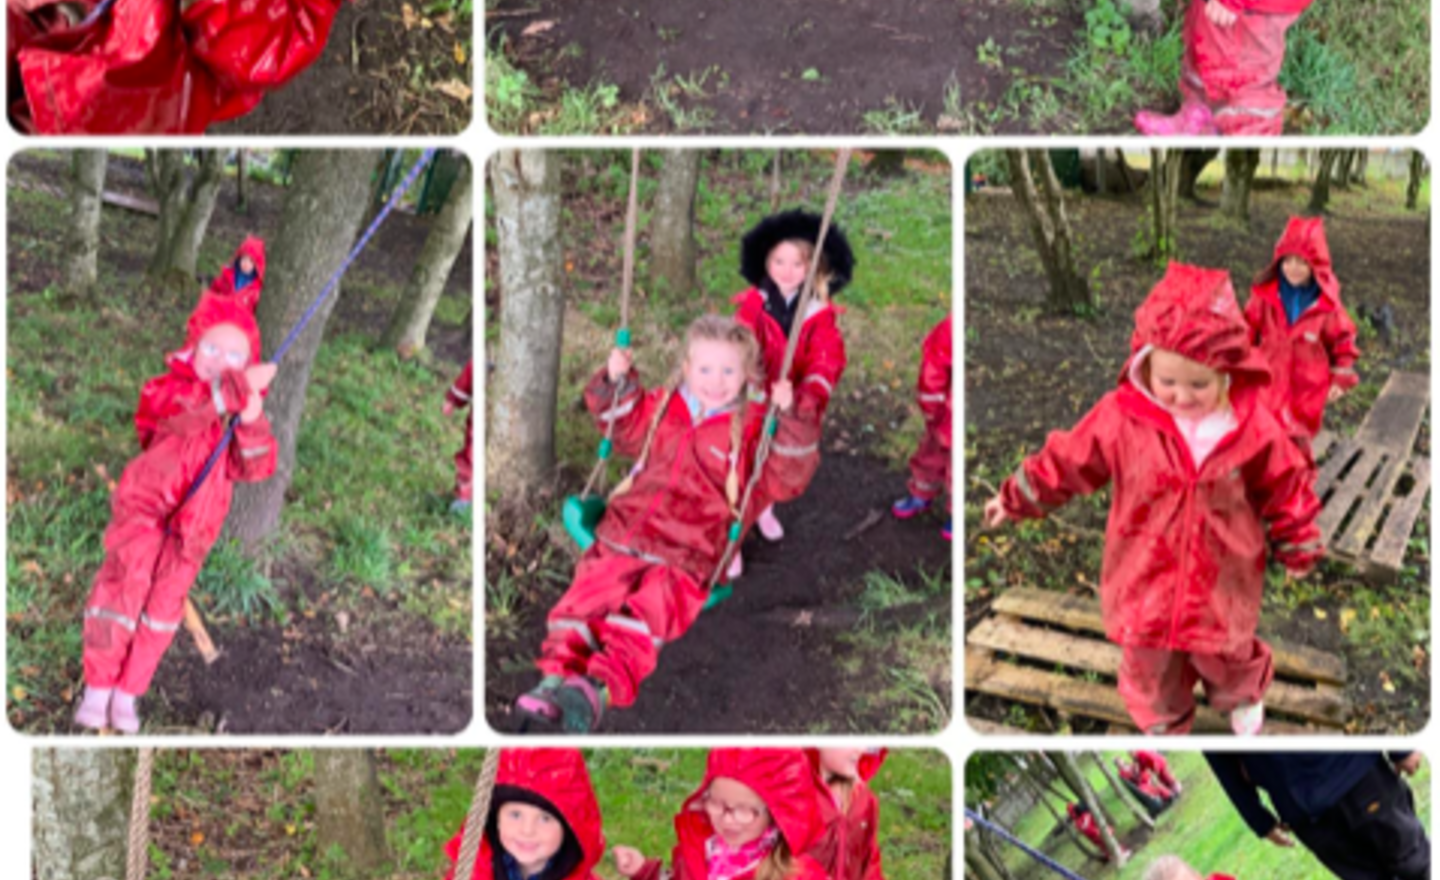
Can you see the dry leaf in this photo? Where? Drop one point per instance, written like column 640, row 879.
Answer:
column 19, row 693
column 459, row 54
column 197, row 838
column 454, row 88
column 538, row 27
column 408, row 17
column 1321, row 613
column 1347, row 617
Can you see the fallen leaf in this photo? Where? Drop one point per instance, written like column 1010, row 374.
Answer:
column 459, row 54
column 1347, row 617
column 454, row 88
column 408, row 16
column 538, row 27
column 1321, row 613
column 290, row 832
column 197, row 838
column 19, row 693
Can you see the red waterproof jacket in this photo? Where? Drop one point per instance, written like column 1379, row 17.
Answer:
column 786, row 784
column 151, row 68
column 932, row 389
column 459, row 393
column 1319, row 350
column 1085, row 823
column 677, row 512
column 1155, row 763
column 819, row 356
column 1268, row 7
column 224, row 284
column 849, row 847
column 1185, row 549
column 560, row 777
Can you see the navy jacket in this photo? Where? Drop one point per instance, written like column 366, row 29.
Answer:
column 1301, row 785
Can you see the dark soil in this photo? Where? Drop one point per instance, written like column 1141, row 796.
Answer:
column 867, row 54
column 375, row 77
column 1028, row 372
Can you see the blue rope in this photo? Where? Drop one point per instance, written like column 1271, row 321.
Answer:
column 95, row 14
column 1033, row 853
column 310, row 312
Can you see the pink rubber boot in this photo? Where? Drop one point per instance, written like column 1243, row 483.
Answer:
column 123, row 715
column 1192, row 119
column 737, row 567
column 770, row 527
column 94, row 710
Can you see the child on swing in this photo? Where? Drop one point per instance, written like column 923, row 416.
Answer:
column 754, row 817
column 158, row 539
column 1303, row 330
column 1204, row 478
column 849, row 846
column 661, row 539
column 775, row 257
column 930, row 465
column 1229, row 76
column 544, row 821
column 458, row 397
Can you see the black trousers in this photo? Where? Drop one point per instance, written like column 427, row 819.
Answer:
column 1372, row 833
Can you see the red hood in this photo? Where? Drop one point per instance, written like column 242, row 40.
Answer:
column 783, row 779
column 559, row 776
column 1303, row 237
column 214, row 311
column 1193, row 312
column 254, row 248
column 870, row 761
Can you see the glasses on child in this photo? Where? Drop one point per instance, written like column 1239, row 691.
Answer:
column 235, row 359
column 742, row 815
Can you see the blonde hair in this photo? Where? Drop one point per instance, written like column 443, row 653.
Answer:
column 807, row 254
column 779, row 864
column 1169, row 867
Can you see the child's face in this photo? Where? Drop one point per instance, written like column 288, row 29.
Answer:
column 1183, row 386
column 714, row 372
column 247, row 266
column 736, row 812
column 844, row 763
column 1297, row 271
column 223, row 347
column 530, row 835
column 786, row 267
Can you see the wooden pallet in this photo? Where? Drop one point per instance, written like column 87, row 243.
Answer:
column 1066, row 632
column 1366, row 521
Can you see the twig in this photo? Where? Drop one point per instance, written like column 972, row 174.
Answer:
column 511, row 13
column 871, row 520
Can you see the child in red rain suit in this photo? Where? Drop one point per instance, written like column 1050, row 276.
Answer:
column 154, row 68
column 775, row 257
column 1086, row 824
column 157, row 540
column 930, row 465
column 658, row 545
column 1144, row 784
column 457, row 397
column 1155, row 763
column 242, row 281
column 1204, row 478
column 544, row 821
column 1303, row 330
column 754, row 817
column 1230, row 74
column 849, row 846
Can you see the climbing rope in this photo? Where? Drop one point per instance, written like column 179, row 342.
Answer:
column 479, row 812
column 1033, row 853
column 767, row 436
column 138, row 851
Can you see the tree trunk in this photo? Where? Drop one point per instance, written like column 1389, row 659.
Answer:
column 977, row 862
column 186, row 204
column 887, row 163
column 81, row 817
column 241, row 180
column 1417, row 177
column 1240, row 167
column 82, row 249
column 1101, row 186
column 672, row 226
column 1165, row 173
column 1124, row 169
column 1320, row 190
column 520, row 449
column 1340, row 177
column 1191, row 167
column 349, row 814
column 1069, row 770
column 1362, row 165
column 318, row 224
column 1121, row 792
column 1144, row 15
column 1030, row 773
column 443, row 244
column 1049, row 227
column 775, row 182
column 1274, row 164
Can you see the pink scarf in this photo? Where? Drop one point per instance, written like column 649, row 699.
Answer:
column 725, row 863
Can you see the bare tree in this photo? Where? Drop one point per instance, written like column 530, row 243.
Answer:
column 1030, row 772
column 187, row 201
column 1049, row 227
column 1191, row 167
column 672, row 225
column 349, row 813
column 406, row 332
column 82, row 247
column 1240, row 167
column 81, row 803
column 1320, row 189
column 1417, row 177
column 242, row 178
column 1069, row 770
column 775, row 182
column 1165, row 173
column 1362, row 166
column 520, row 452
column 1344, row 162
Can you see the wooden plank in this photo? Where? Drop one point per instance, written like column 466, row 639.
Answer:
column 1394, row 421
column 1088, row 699
column 1083, row 613
column 1372, row 458
column 138, row 204
column 1390, row 546
column 1011, row 636
column 991, row 728
column 1323, row 441
column 1362, row 523
column 1345, row 452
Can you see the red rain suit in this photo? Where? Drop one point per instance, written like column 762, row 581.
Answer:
column 1155, row 763
column 646, row 579
column 1185, row 548
column 930, row 465
column 790, row 791
column 459, row 396
column 1319, row 350
column 849, row 847
column 819, row 355
column 560, row 777
column 1235, row 70
column 155, row 546
column 1085, row 823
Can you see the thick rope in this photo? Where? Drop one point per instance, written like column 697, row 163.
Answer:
column 807, row 292
column 138, row 852
column 475, row 820
column 1033, row 853
column 596, row 479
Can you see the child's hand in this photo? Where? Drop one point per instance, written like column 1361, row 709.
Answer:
column 1218, row 14
column 260, row 376
column 1278, row 836
column 253, row 408
column 447, row 408
column 1336, row 392
column 783, row 394
column 628, row 860
column 995, row 515
column 1410, row 765
column 621, row 360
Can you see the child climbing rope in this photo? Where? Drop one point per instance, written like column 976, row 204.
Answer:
column 544, row 822
column 775, row 257
column 1229, row 76
column 1303, row 330
column 242, row 280
column 1086, row 824
column 130, row 67
column 754, row 817
column 458, row 397
column 1175, row 868
column 930, row 465
column 1204, row 477
column 849, row 846
column 158, row 539
column 648, row 574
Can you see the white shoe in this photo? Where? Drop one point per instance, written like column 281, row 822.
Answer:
column 94, row 710
column 770, row 528
column 737, row 567
column 1248, row 720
